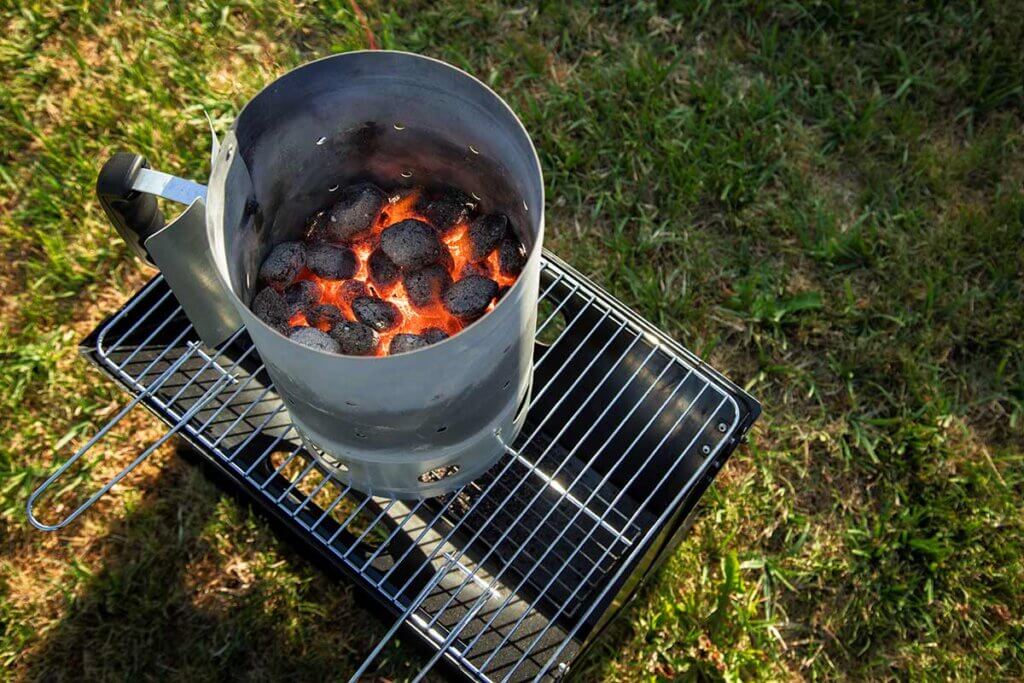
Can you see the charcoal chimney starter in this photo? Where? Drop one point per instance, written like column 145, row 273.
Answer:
column 429, row 420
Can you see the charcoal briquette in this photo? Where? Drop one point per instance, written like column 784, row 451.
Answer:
column 301, row 296
column 331, row 262
column 282, row 264
column 351, row 290
column 511, row 256
column 269, row 306
column 445, row 259
column 379, row 314
column 352, row 215
column 411, row 244
column 383, row 271
column 426, row 285
column 324, row 314
column 469, row 298
column 314, row 339
column 485, row 234
column 445, row 208
column 481, row 268
column 434, row 335
column 406, row 342
column 355, row 338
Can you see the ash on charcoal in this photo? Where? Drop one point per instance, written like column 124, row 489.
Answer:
column 269, row 306
column 331, row 262
column 314, row 339
column 511, row 257
column 379, row 314
column 351, row 290
column 324, row 314
column 434, row 335
column 383, row 271
column 406, row 342
column 355, row 338
column 301, row 296
column 411, row 244
column 282, row 265
column 351, row 216
column 469, row 298
column 444, row 209
column 485, row 234
column 426, row 285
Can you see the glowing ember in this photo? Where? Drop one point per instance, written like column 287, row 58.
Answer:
column 428, row 321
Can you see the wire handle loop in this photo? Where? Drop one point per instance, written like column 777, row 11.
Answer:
column 210, row 393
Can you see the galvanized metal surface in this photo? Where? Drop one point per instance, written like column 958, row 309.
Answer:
column 181, row 252
column 509, row 575
column 388, row 425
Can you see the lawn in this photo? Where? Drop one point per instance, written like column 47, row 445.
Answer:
column 824, row 199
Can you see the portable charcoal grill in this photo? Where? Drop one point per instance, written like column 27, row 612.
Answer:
column 515, row 574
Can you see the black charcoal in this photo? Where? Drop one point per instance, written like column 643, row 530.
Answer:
column 445, row 208
column 434, row 335
column 445, row 259
column 351, row 216
column 469, row 298
column 426, row 285
column 355, row 338
column 324, row 314
column 482, row 268
column 411, row 244
column 331, row 262
column 351, row 290
column 511, row 257
column 269, row 306
column 485, row 234
column 406, row 342
column 314, row 339
column 282, row 265
column 383, row 271
column 379, row 314
column 301, row 296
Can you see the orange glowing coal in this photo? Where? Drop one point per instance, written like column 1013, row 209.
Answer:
column 414, row 319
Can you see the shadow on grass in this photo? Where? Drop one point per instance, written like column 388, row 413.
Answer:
column 189, row 589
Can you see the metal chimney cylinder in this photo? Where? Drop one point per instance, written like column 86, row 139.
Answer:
column 418, row 424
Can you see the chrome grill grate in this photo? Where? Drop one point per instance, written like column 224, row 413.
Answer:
column 508, row 577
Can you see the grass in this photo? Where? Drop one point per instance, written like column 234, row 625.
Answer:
column 823, row 199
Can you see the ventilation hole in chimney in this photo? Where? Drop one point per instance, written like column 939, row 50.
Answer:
column 332, row 188
column 321, row 140
column 360, row 435
column 505, row 385
column 399, row 126
column 438, row 474
column 406, row 174
column 350, row 403
column 442, row 428
column 473, row 149
column 328, row 459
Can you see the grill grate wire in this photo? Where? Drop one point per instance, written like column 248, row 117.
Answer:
column 502, row 574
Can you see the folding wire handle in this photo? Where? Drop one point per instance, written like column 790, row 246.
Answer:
column 148, row 392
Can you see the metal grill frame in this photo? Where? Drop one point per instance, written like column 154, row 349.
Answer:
column 415, row 601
